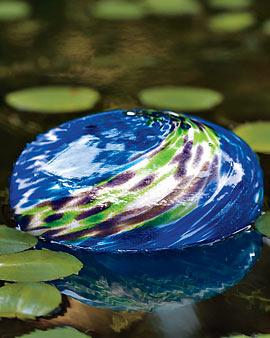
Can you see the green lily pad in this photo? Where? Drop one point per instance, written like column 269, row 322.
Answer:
column 173, row 7
column 38, row 265
column 239, row 336
column 28, row 300
column 12, row 240
column 14, row 10
column 256, row 134
column 256, row 336
column 117, row 10
column 266, row 27
column 67, row 332
column 230, row 4
column 53, row 99
column 263, row 224
column 180, row 98
column 231, row 22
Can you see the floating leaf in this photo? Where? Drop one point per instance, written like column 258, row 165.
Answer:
column 180, row 98
column 266, row 27
column 256, row 336
column 263, row 224
column 173, row 7
column 14, row 10
column 67, row 332
column 239, row 336
column 230, row 4
column 37, row 265
column 256, row 134
column 53, row 99
column 28, row 300
column 231, row 22
column 117, row 10
column 12, row 240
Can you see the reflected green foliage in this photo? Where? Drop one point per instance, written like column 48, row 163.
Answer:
column 256, row 299
column 256, row 134
column 180, row 98
column 231, row 22
column 173, row 7
column 28, row 300
column 230, row 4
column 14, row 10
column 117, row 10
column 12, row 240
column 59, row 332
column 263, row 224
column 266, row 27
column 37, row 265
column 53, row 99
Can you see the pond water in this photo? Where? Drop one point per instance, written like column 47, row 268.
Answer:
column 62, row 42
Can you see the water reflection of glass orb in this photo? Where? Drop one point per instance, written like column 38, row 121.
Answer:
column 145, row 281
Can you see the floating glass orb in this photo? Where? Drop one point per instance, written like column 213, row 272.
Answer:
column 136, row 180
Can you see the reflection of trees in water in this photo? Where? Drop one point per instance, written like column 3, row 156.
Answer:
column 243, row 309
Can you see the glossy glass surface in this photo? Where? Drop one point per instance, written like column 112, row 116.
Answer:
column 136, row 180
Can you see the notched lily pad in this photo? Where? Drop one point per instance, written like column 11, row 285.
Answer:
column 67, row 332
column 231, row 22
column 53, row 99
column 256, row 134
column 12, row 240
column 173, row 7
column 14, row 10
column 28, row 300
column 263, row 224
column 38, row 265
column 180, row 98
column 117, row 10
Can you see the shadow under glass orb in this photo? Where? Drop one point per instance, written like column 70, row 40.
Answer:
column 147, row 281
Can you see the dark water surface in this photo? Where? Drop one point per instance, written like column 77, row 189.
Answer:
column 63, row 44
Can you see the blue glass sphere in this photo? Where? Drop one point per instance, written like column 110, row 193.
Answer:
column 136, row 180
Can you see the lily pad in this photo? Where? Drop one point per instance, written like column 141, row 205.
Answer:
column 28, row 300
column 266, row 27
column 173, row 7
column 14, row 10
column 12, row 240
column 256, row 134
column 53, row 99
column 263, row 224
column 230, row 4
column 67, row 332
column 231, row 22
column 117, row 10
column 180, row 98
column 240, row 336
column 256, row 336
column 37, row 265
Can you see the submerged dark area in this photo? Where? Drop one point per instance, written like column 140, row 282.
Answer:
column 63, row 43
